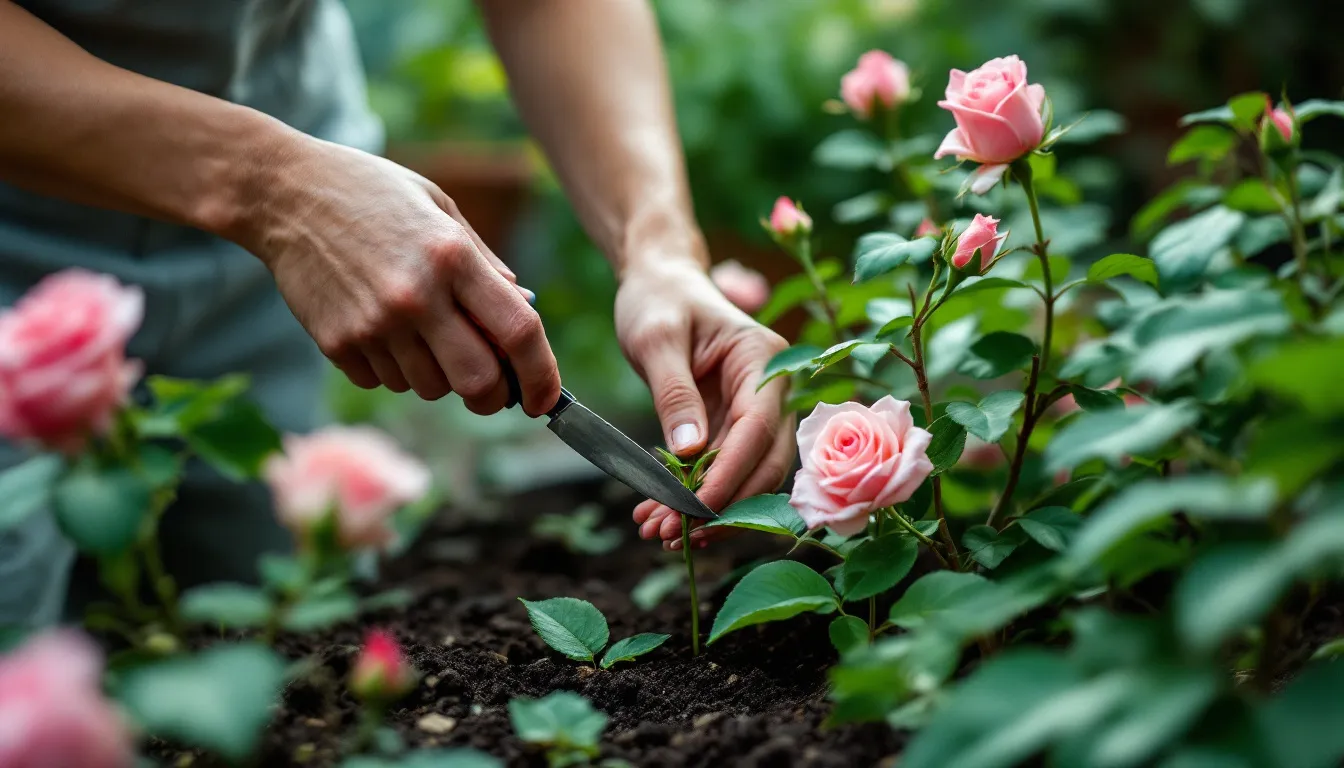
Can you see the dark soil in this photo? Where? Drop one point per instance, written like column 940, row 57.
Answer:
column 756, row 698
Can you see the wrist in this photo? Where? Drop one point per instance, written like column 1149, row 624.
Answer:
column 661, row 243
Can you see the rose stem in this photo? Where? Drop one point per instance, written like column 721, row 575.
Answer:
column 922, row 380
column 690, row 579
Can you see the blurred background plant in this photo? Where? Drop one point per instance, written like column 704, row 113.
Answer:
column 755, row 85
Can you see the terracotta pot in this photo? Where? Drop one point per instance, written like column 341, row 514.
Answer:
column 490, row 182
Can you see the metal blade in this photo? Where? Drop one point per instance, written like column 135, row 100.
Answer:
column 611, row 451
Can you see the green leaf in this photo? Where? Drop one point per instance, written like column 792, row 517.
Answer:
column 219, row 699
column 1301, row 725
column 1118, row 264
column 657, row 585
column 26, row 488
column 1247, row 109
column 875, row 566
column 236, row 606
column 1137, row 507
column 1051, row 527
column 1095, row 399
column 237, row 442
column 1215, row 115
column 562, row 719
column 1171, row 340
column 1209, row 143
column 794, row 291
column 1251, row 196
column 1306, row 370
column 990, row 547
column 974, row 285
column 1314, row 108
column 161, row 467
column 792, row 360
column 181, row 405
column 848, row 633
column 844, row 349
column 632, row 647
column 571, row 626
column 457, row 757
column 948, row 345
column 893, row 325
column 1185, row 193
column 1182, row 251
column 1259, row 233
column 862, row 207
column 949, row 440
column 769, row 513
column 283, row 574
column 101, row 509
column 773, row 592
column 319, row 611
column 878, row 253
column 991, row 418
column 1118, row 433
column 935, row 594
column 996, row 354
column 851, row 150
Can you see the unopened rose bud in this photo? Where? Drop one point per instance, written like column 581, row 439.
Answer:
column 381, row 673
column 981, row 235
column 928, row 229
column 788, row 221
column 1278, row 128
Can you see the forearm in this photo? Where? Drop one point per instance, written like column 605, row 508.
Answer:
column 81, row 129
column 590, row 80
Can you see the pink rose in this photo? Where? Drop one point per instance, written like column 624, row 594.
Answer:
column 746, row 288
column 998, row 118
column 979, row 455
column 857, row 460
column 52, row 710
column 63, row 367
column 1281, row 119
column 877, row 79
column 356, row 474
column 381, row 673
column 982, row 235
column 928, row 229
column 788, row 220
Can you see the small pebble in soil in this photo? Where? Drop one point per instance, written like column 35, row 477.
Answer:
column 436, row 724
column 315, row 722
column 450, row 640
column 500, row 657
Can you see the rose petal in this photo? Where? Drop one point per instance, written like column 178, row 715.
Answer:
column 986, row 176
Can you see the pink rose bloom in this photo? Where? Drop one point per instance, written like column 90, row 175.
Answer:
column 928, row 229
column 788, row 220
column 982, row 234
column 746, row 288
column 356, row 473
column 998, row 118
column 381, row 673
column 878, row 79
column 63, row 366
column 856, row 460
column 52, row 710
column 1282, row 119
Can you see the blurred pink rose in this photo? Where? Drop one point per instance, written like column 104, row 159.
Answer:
column 746, row 288
column 928, row 229
column 63, row 366
column 356, row 473
column 788, row 220
column 381, row 673
column 998, row 118
column 982, row 234
column 1282, row 119
column 878, row 79
column 980, row 455
column 52, row 710
column 856, row 460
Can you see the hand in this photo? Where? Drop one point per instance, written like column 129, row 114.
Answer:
column 702, row 358
column 393, row 284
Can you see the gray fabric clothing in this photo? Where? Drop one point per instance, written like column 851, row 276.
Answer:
column 211, row 308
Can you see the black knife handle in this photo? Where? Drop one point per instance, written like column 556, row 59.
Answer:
column 516, row 391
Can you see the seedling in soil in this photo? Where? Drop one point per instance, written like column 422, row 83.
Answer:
column 692, row 475
column 563, row 723
column 578, row 532
column 577, row 629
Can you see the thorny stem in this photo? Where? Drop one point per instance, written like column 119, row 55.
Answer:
column 1030, row 415
column 164, row 587
column 819, row 285
column 1295, row 224
column 925, row 540
column 1040, row 249
column 922, row 380
column 690, row 579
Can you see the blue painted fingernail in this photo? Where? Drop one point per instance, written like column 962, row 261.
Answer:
column 529, row 295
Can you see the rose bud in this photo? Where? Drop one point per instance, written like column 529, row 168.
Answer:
column 878, row 79
column 787, row 220
column 1278, row 129
column 354, row 477
column 998, row 118
column 928, row 229
column 381, row 673
column 856, row 460
column 63, row 366
column 52, row 710
column 746, row 288
column 982, row 236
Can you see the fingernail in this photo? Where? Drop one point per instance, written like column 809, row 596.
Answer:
column 685, row 436
column 529, row 295
column 697, row 536
column 704, row 544
column 674, row 545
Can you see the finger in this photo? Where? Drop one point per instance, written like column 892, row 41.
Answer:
column 417, row 362
column 496, row 307
column 766, row 478
column 468, row 360
column 385, row 366
column 451, row 208
column 666, row 364
column 749, row 438
column 357, row 369
column 643, row 509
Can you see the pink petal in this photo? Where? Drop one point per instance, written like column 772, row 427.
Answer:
column 986, row 176
column 992, row 139
column 1016, row 108
column 953, row 144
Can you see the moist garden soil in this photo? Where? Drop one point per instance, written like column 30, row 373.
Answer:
column 756, row 698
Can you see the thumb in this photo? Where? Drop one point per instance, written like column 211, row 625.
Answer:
column 676, row 397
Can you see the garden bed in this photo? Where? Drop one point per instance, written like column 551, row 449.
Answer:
column 756, row 698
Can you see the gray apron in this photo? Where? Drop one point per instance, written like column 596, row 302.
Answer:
column 211, row 308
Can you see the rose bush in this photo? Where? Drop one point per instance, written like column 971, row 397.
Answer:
column 999, row 118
